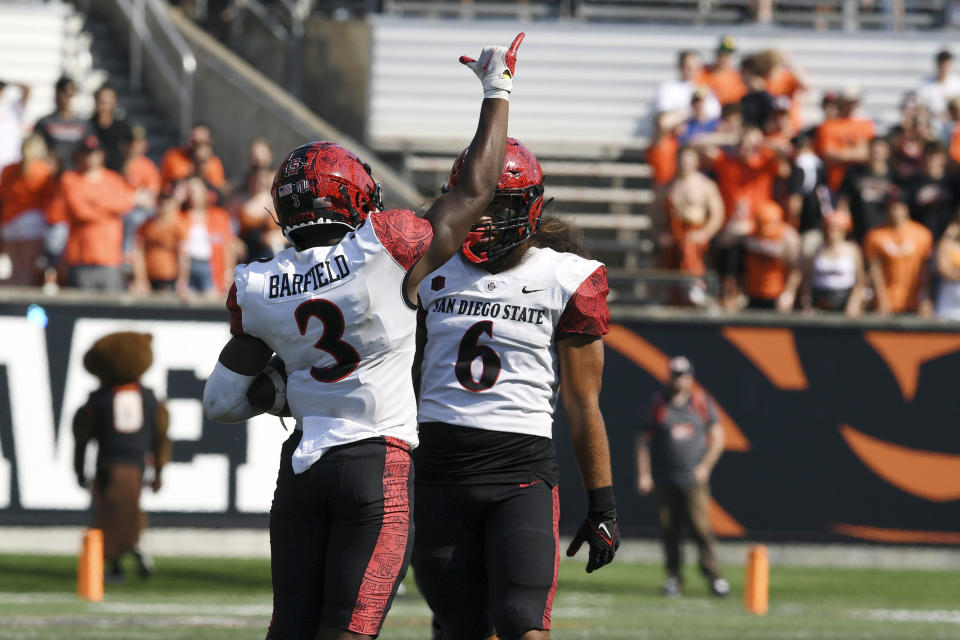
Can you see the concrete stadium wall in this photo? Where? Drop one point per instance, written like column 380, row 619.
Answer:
column 836, row 431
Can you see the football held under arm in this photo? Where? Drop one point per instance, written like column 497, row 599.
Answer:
column 225, row 395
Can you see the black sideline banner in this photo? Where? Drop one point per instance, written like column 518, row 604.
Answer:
column 833, row 431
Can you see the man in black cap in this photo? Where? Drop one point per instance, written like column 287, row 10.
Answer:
column 676, row 453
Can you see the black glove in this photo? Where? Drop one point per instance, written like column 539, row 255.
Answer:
column 599, row 530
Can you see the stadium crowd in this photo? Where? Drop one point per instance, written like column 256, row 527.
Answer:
column 833, row 215
column 836, row 216
column 84, row 206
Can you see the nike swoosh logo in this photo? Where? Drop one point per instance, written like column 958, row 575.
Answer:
column 528, row 484
column 525, row 290
column 603, row 527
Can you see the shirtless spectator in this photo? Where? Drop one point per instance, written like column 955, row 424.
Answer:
column 865, row 188
column 113, row 132
column 933, row 192
column 771, row 261
column 674, row 97
column 144, row 177
column 63, row 130
column 834, row 276
column 844, row 141
column 196, row 157
column 722, row 77
column 948, row 266
column 26, row 189
column 93, row 201
column 898, row 254
column 11, row 122
column 159, row 258
column 695, row 213
column 938, row 89
column 210, row 243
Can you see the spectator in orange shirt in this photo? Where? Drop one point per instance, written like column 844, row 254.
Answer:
column 196, row 157
column 252, row 211
column 695, row 213
column 953, row 143
column 143, row 176
column 844, row 141
column 662, row 154
column 745, row 175
column 785, row 81
column 25, row 192
column 723, row 77
column 159, row 258
column 93, row 201
column 771, row 261
column 210, row 243
column 898, row 254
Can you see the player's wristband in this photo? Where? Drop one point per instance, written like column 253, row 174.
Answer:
column 602, row 502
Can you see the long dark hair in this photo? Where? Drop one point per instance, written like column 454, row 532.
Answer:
column 559, row 235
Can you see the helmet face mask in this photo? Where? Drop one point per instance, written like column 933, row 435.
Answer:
column 323, row 183
column 510, row 225
column 515, row 210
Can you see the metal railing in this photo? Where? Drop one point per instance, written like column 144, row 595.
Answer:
column 178, row 75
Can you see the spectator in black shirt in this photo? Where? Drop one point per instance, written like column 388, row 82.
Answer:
column 113, row 132
column 933, row 192
column 62, row 130
column 809, row 198
column 865, row 187
column 757, row 105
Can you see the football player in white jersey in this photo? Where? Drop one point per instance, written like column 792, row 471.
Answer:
column 338, row 309
column 505, row 325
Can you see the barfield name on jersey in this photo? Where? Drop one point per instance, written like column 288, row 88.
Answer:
column 284, row 285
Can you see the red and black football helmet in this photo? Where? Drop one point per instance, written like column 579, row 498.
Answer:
column 516, row 208
column 323, row 183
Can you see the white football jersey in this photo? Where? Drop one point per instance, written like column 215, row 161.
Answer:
column 490, row 360
column 338, row 319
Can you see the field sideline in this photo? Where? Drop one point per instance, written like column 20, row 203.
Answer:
column 217, row 599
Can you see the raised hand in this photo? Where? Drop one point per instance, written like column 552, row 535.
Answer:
column 495, row 68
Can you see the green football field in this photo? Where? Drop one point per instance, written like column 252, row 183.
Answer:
column 207, row 599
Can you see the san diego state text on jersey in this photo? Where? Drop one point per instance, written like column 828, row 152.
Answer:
column 318, row 276
column 486, row 309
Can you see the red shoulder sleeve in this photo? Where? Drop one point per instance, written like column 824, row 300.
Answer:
column 586, row 311
column 403, row 234
column 236, row 313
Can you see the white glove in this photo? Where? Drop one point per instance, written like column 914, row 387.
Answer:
column 495, row 68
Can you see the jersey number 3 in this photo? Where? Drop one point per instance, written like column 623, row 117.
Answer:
column 470, row 350
column 345, row 356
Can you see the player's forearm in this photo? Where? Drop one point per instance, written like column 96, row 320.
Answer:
column 484, row 159
column 589, row 439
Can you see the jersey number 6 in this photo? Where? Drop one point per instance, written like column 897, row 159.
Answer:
column 470, row 350
column 345, row 356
